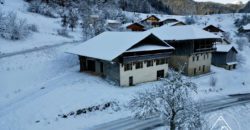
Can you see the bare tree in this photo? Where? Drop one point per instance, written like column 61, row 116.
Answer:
column 73, row 19
column 172, row 100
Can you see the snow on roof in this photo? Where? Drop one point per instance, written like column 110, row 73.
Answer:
column 246, row 27
column 232, row 63
column 113, row 21
column 211, row 25
column 224, row 48
column 109, row 45
column 128, row 24
column 172, row 24
column 149, row 48
column 186, row 32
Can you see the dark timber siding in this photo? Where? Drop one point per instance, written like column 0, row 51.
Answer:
column 219, row 58
column 231, row 56
column 222, row 58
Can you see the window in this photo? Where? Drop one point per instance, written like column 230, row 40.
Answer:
column 139, row 65
column 205, row 56
column 128, row 67
column 198, row 58
column 150, row 63
column 160, row 61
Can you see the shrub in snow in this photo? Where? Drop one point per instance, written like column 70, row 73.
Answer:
column 41, row 8
column 213, row 81
column 189, row 20
column 2, row 2
column 33, row 28
column 113, row 105
column 245, row 19
column 172, row 100
column 240, row 59
column 12, row 27
column 63, row 32
column 241, row 42
column 227, row 36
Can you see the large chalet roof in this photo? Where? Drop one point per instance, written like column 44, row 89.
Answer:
column 225, row 48
column 180, row 33
column 109, row 45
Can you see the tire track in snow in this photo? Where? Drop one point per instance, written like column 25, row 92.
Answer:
column 5, row 55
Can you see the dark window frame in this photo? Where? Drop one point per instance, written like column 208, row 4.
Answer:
column 150, row 63
column 128, row 67
column 138, row 65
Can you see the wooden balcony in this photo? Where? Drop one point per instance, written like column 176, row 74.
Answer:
column 128, row 59
column 211, row 49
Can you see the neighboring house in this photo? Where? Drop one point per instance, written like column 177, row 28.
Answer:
column 213, row 29
column 134, row 27
column 175, row 24
column 193, row 47
column 178, row 24
column 225, row 56
column 127, row 58
column 245, row 28
column 151, row 20
column 167, row 21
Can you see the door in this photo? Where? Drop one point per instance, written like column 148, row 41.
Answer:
column 160, row 74
column 91, row 65
column 131, row 81
column 195, row 71
column 204, row 68
column 101, row 67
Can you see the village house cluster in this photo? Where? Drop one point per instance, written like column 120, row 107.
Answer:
column 142, row 54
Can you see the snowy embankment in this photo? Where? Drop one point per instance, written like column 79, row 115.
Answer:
column 36, row 87
column 47, row 29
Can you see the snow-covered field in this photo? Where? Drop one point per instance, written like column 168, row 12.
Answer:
column 47, row 29
column 36, row 87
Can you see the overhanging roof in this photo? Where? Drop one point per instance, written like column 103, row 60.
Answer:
column 109, row 45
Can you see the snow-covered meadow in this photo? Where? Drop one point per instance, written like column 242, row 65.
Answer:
column 36, row 87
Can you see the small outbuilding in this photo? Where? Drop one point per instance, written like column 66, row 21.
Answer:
column 225, row 56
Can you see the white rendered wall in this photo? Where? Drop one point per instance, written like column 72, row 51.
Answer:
column 144, row 74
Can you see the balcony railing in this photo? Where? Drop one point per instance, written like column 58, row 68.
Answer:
column 211, row 49
column 146, row 57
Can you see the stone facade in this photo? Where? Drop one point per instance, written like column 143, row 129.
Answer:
column 194, row 64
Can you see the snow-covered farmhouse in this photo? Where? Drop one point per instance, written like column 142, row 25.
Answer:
column 193, row 47
column 225, row 56
column 127, row 58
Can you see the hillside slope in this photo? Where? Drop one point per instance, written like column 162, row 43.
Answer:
column 47, row 29
column 184, row 7
column 246, row 8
